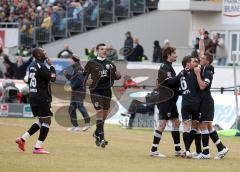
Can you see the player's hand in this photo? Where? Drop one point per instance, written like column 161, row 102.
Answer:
column 65, row 72
column 197, row 70
column 201, row 31
column 89, row 82
column 118, row 75
column 49, row 61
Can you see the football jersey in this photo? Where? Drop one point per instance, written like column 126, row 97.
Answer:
column 170, row 81
column 39, row 82
column 207, row 77
column 102, row 73
column 190, row 89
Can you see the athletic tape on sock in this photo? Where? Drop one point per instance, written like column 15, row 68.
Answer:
column 205, row 132
column 45, row 125
column 38, row 123
column 157, row 134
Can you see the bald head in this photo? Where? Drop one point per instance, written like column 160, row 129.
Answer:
column 136, row 40
column 39, row 53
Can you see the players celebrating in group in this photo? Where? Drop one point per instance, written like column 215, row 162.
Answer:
column 197, row 109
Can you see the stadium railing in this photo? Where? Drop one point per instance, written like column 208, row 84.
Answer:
column 100, row 13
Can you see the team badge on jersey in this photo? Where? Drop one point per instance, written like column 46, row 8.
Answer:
column 96, row 104
column 109, row 66
column 169, row 74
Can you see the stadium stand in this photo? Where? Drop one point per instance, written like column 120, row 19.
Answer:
column 43, row 21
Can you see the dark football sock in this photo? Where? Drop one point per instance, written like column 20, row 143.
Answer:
column 100, row 129
column 43, row 132
column 186, row 139
column 34, row 128
column 156, row 140
column 176, row 139
column 192, row 136
column 205, row 142
column 198, row 144
column 216, row 140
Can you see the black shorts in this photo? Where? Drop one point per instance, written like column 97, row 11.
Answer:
column 42, row 110
column 190, row 112
column 206, row 109
column 101, row 99
column 168, row 110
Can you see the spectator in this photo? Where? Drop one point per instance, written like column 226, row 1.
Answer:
column 26, row 29
column 111, row 53
column 195, row 51
column 23, row 51
column 157, row 52
column 7, row 68
column 221, row 51
column 19, row 68
column 90, row 53
column 65, row 53
column 128, row 41
column 138, row 51
column 208, row 43
column 166, row 44
column 47, row 22
column 10, row 92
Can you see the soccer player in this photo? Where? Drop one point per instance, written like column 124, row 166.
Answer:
column 40, row 99
column 103, row 73
column 168, row 109
column 190, row 101
column 204, row 78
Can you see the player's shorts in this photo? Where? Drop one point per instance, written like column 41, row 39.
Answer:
column 190, row 112
column 168, row 110
column 101, row 99
column 206, row 109
column 41, row 111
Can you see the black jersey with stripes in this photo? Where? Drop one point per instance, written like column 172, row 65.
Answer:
column 102, row 73
column 207, row 77
column 39, row 79
column 190, row 90
column 172, row 81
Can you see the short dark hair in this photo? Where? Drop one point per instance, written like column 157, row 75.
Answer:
column 168, row 51
column 186, row 60
column 99, row 45
column 36, row 52
column 209, row 57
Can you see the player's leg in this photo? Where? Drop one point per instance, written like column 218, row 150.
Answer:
column 176, row 136
column 195, row 134
column 174, row 115
column 186, row 136
column 157, row 138
column 222, row 150
column 45, row 125
column 205, row 140
column 32, row 130
column 99, row 135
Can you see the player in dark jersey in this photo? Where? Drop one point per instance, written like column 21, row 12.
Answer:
column 190, row 101
column 168, row 109
column 103, row 73
column 204, row 78
column 40, row 76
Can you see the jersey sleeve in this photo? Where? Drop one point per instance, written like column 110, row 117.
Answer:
column 45, row 73
column 207, row 78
